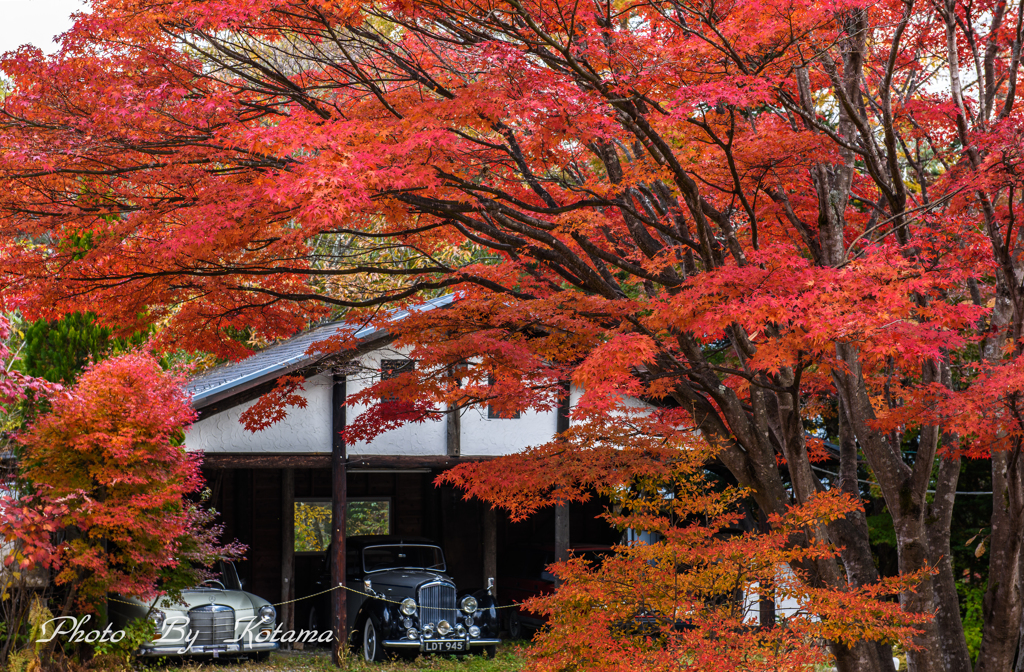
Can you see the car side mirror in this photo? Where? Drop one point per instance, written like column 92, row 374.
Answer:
column 241, row 582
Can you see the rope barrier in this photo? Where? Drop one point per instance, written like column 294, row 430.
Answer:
column 306, row 597
column 373, row 596
column 329, row 590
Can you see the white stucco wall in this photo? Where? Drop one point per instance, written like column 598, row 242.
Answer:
column 480, row 436
column 304, row 430
column 426, row 438
column 308, row 430
column 484, row 436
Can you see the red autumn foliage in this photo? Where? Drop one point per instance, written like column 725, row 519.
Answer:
column 688, row 601
column 111, row 475
column 764, row 214
column 273, row 406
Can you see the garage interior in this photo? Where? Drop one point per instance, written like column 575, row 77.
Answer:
column 257, row 507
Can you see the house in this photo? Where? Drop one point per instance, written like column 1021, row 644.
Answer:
column 299, row 471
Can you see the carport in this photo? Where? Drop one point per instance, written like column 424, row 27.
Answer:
column 299, row 472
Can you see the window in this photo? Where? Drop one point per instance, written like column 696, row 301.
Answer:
column 368, row 516
column 313, row 521
column 494, row 413
column 391, row 368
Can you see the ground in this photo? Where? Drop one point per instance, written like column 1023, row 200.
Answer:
column 508, row 659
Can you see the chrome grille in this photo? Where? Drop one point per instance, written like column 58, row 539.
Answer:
column 215, row 624
column 437, row 603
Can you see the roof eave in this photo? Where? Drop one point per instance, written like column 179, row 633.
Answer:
column 271, row 372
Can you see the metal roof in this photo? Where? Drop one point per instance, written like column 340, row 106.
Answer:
column 284, row 357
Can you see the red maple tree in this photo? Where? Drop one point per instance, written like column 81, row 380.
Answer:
column 105, row 467
column 690, row 599
column 761, row 213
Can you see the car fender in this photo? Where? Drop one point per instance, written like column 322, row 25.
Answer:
column 487, row 606
column 381, row 611
column 257, row 602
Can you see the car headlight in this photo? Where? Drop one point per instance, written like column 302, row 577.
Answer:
column 474, row 631
column 158, row 617
column 443, row 628
column 268, row 614
column 469, row 604
column 408, row 606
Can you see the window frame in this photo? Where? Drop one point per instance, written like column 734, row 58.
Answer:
column 351, row 500
column 397, row 367
column 494, row 415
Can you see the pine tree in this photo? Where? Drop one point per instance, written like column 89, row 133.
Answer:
column 58, row 350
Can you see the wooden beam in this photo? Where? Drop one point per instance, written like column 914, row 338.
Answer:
column 339, row 499
column 243, row 518
column 266, row 461
column 288, row 548
column 410, row 461
column 325, row 460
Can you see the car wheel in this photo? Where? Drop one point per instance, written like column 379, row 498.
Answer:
column 515, row 625
column 261, row 656
column 372, row 649
column 490, row 650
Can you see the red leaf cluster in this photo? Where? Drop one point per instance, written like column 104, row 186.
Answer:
column 113, row 476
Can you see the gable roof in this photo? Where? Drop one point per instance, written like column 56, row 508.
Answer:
column 286, row 357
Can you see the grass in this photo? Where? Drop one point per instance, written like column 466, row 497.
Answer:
column 508, row 659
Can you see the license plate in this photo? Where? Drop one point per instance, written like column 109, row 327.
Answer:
column 444, row 645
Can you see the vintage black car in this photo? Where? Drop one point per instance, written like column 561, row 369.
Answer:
column 401, row 601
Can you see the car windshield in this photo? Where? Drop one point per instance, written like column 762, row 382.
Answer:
column 224, row 575
column 402, row 556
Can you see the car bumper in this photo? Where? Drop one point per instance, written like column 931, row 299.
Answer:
column 227, row 649
column 418, row 644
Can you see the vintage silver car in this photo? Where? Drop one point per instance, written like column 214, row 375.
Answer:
column 217, row 619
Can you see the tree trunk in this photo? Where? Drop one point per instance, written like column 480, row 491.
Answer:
column 1002, row 603
column 747, row 450
column 922, row 532
column 913, row 549
column 955, row 655
column 851, row 534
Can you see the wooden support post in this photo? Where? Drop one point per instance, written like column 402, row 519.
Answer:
column 562, row 532
column 564, row 408
column 288, row 548
column 453, row 423
column 562, row 510
column 490, row 544
column 339, row 499
column 243, row 521
column 454, row 432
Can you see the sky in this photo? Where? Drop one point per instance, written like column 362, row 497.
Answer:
column 34, row 22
